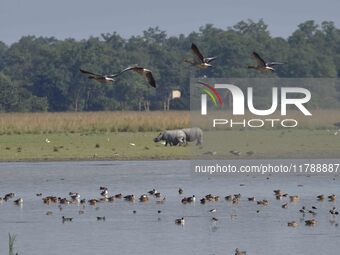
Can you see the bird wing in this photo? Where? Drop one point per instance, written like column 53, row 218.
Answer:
column 88, row 72
column 259, row 60
column 196, row 51
column 123, row 71
column 150, row 78
column 141, row 71
column 275, row 63
column 208, row 60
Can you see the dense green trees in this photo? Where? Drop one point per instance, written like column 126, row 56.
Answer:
column 40, row 74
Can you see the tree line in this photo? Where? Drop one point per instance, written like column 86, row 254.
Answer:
column 42, row 73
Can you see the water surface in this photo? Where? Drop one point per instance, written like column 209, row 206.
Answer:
column 147, row 232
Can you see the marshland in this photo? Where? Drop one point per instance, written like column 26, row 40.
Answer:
column 54, row 107
column 129, row 135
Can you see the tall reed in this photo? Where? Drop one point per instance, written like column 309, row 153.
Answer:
column 101, row 122
column 36, row 123
column 11, row 240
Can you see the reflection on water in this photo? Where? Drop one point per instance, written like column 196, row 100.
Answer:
column 257, row 229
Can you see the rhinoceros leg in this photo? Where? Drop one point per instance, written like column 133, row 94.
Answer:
column 181, row 140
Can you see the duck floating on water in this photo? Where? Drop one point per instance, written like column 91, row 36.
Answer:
column 320, row 197
column 332, row 198
column 292, row 224
column 65, row 219
column 144, row 198
column 238, row 252
column 180, row 221
column 311, row 222
column 19, row 201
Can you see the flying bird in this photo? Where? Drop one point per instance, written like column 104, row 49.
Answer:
column 142, row 71
column 200, row 60
column 102, row 78
column 262, row 65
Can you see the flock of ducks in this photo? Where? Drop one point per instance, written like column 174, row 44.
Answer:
column 198, row 61
column 74, row 198
column 104, row 196
column 8, row 196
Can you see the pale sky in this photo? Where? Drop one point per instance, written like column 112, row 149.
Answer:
column 80, row 19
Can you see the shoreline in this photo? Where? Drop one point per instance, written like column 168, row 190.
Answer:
column 135, row 146
column 134, row 159
column 39, row 160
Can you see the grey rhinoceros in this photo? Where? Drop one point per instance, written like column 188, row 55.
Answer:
column 171, row 137
column 181, row 136
column 193, row 134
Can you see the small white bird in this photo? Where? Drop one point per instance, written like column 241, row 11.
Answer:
column 236, row 153
column 47, row 141
column 104, row 193
column 19, row 201
column 132, row 144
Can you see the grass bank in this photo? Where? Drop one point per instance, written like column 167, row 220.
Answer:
column 129, row 135
column 139, row 145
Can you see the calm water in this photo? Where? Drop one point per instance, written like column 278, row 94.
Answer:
column 148, row 232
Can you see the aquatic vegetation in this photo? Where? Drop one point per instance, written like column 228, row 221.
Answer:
column 11, row 241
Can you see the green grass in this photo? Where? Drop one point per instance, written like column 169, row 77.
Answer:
column 85, row 146
column 107, row 135
column 297, row 143
column 279, row 143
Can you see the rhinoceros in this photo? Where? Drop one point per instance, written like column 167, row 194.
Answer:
column 171, row 137
column 193, row 134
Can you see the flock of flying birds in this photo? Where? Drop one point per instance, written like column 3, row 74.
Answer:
column 198, row 61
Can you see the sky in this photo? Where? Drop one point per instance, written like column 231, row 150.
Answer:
column 81, row 19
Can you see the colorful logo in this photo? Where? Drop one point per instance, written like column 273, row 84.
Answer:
column 211, row 91
column 240, row 101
